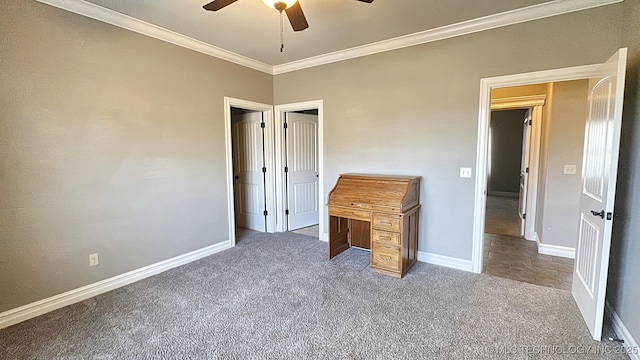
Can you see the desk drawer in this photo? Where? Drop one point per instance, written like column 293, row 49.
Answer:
column 387, row 221
column 385, row 237
column 385, row 257
column 350, row 213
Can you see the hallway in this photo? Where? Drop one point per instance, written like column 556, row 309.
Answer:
column 508, row 255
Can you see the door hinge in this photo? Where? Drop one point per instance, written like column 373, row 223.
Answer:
column 264, row 169
column 530, row 121
column 262, row 125
column 524, row 216
column 286, row 169
column 526, row 170
column 286, row 212
column 285, row 125
column 266, row 213
column 609, row 216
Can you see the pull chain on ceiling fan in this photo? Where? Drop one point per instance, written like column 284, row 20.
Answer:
column 281, row 5
column 290, row 7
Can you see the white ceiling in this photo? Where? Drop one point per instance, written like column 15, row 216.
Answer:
column 251, row 29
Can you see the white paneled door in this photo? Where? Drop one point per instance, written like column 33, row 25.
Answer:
column 301, row 137
column 524, row 171
column 248, row 164
column 599, row 172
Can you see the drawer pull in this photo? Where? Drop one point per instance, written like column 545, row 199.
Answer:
column 386, row 257
column 385, row 238
column 384, row 223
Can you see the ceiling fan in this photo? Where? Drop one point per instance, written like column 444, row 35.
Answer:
column 291, row 7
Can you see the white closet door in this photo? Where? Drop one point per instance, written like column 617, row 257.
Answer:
column 248, row 161
column 302, row 175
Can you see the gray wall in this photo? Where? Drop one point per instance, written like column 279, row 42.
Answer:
column 415, row 110
column 110, row 142
column 624, row 270
column 506, row 151
column 564, row 132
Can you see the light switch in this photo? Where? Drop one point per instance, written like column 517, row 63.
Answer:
column 465, row 172
column 569, row 169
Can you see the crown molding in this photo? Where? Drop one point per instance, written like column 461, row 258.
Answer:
column 535, row 12
column 539, row 11
column 142, row 27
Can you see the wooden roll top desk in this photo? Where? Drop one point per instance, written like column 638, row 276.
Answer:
column 376, row 212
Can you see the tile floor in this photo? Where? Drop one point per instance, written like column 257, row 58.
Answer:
column 513, row 257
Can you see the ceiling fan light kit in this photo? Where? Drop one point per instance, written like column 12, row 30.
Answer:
column 290, row 7
column 279, row 4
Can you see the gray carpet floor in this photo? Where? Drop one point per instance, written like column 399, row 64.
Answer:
column 277, row 296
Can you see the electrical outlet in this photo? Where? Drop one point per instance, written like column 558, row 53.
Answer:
column 569, row 169
column 93, row 259
column 465, row 172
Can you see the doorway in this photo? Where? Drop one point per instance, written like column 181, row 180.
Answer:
column 514, row 175
column 601, row 147
column 511, row 102
column 301, row 175
column 507, row 165
column 250, row 183
column 299, row 180
column 249, row 175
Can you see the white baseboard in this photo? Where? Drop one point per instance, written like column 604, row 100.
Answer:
column 555, row 250
column 324, row 237
column 34, row 309
column 621, row 330
column 441, row 260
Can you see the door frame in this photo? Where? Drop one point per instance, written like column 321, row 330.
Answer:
column 534, row 102
column 484, row 115
column 267, row 111
column 281, row 190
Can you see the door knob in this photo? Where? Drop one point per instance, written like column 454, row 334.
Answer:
column 236, row 177
column 595, row 213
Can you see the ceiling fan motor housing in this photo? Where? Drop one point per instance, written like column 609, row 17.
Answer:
column 279, row 5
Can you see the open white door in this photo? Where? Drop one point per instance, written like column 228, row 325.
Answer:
column 599, row 172
column 248, row 164
column 524, row 171
column 301, row 138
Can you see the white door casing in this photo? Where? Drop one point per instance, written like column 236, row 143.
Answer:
column 535, row 103
column 524, row 172
column 599, row 173
column 301, row 141
column 248, row 164
column 267, row 112
column 280, row 111
column 484, row 115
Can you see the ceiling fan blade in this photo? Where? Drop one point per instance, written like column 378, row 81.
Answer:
column 296, row 17
column 367, row 1
column 216, row 5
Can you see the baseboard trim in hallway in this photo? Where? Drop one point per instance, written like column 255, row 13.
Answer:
column 34, row 309
column 555, row 250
